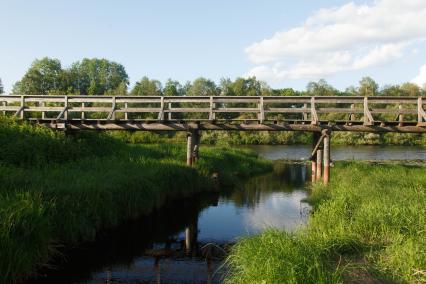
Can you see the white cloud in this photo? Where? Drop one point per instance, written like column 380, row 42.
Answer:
column 348, row 37
column 421, row 78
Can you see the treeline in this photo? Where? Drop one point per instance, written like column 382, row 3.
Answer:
column 46, row 76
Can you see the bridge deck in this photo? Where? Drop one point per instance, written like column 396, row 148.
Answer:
column 340, row 113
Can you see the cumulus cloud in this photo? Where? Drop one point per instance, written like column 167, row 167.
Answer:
column 349, row 37
column 421, row 78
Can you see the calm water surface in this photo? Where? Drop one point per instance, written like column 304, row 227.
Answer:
column 186, row 241
column 338, row 153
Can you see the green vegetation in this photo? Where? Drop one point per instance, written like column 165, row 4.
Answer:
column 60, row 190
column 96, row 76
column 368, row 226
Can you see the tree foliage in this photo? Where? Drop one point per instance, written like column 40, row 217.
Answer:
column 1, row 87
column 97, row 76
column 368, row 87
column 147, row 87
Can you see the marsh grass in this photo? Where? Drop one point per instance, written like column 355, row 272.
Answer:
column 368, row 226
column 59, row 190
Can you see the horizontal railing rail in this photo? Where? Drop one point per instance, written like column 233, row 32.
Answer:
column 312, row 110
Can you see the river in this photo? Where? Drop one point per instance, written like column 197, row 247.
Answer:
column 186, row 241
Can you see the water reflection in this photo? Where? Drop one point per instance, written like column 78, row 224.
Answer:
column 338, row 153
column 186, row 241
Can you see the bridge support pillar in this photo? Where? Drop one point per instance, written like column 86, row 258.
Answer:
column 319, row 165
column 326, row 176
column 192, row 147
column 315, row 139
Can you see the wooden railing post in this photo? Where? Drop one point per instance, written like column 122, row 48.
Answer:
column 126, row 116
column 421, row 114
column 314, row 115
column 82, row 111
column 161, row 113
column 305, row 115
column 22, row 114
column 169, row 108
column 368, row 118
column 66, row 108
column 352, row 115
column 212, row 114
column 400, row 115
column 261, row 115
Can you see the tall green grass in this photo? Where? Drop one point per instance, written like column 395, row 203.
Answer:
column 58, row 190
column 368, row 226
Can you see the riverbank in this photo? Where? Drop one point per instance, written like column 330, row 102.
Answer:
column 59, row 190
column 368, row 226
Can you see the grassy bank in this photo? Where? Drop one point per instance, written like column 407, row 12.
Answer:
column 60, row 190
column 368, row 226
column 274, row 138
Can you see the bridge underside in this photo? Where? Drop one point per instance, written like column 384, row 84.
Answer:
column 155, row 125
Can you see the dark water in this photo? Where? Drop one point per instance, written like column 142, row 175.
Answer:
column 186, row 240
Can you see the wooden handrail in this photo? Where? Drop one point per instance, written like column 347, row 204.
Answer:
column 303, row 108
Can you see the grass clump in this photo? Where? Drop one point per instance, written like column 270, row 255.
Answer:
column 60, row 190
column 368, row 225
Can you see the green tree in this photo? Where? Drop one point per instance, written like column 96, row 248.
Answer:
column 147, row 87
column 321, row 88
column 247, row 87
column 45, row 76
column 351, row 91
column 203, row 87
column 391, row 91
column 96, row 76
column 368, row 87
column 225, row 86
column 1, row 87
column 410, row 89
column 172, row 88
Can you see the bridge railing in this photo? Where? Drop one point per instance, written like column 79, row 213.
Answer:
column 365, row 110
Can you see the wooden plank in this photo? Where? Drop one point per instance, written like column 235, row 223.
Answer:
column 287, row 110
column 241, row 110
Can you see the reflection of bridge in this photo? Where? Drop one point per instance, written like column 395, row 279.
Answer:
column 320, row 115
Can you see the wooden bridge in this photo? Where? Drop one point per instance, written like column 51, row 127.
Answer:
column 320, row 115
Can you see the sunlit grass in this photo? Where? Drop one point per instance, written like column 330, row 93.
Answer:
column 369, row 225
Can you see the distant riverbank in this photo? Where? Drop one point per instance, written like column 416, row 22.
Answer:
column 61, row 190
column 274, row 138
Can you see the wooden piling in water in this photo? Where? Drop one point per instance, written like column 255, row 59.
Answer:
column 319, row 165
column 326, row 175
column 189, row 148
column 315, row 138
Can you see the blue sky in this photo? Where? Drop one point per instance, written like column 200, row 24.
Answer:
column 286, row 43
